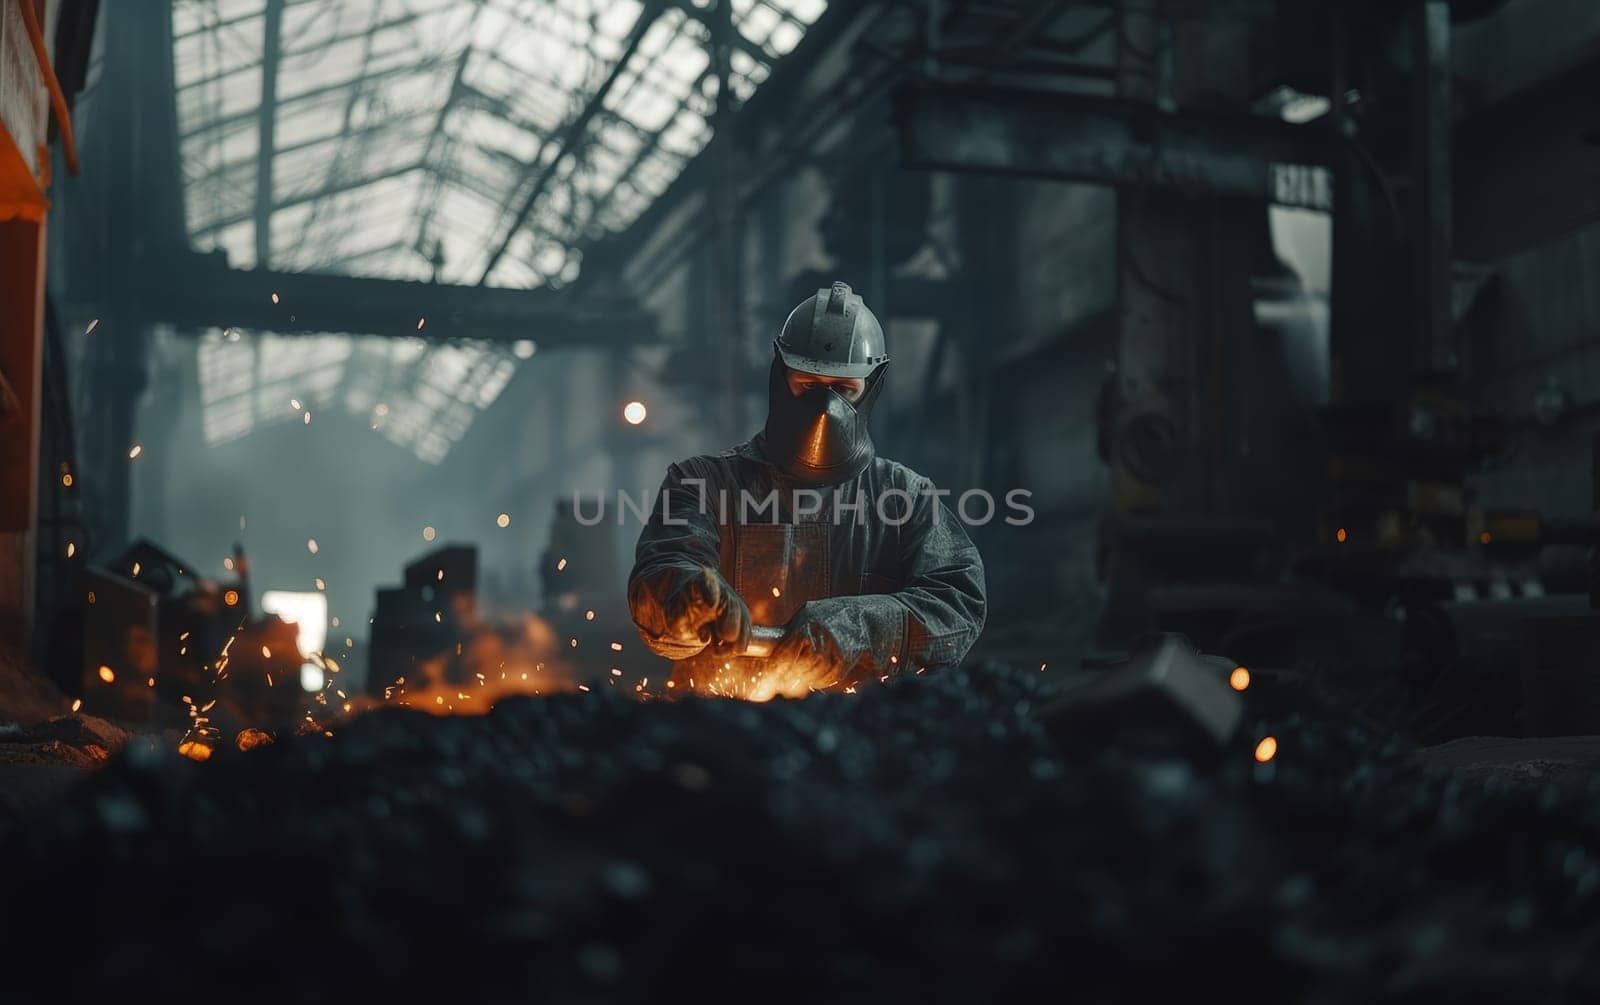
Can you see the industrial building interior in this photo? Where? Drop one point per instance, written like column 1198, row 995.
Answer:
column 337, row 337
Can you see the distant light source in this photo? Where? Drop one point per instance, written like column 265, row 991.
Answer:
column 1267, row 749
column 634, row 412
column 308, row 612
column 524, row 348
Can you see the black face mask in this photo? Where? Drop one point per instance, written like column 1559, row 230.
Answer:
column 820, row 437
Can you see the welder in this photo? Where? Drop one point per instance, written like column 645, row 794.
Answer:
column 851, row 562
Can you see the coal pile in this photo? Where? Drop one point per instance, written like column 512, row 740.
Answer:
column 924, row 839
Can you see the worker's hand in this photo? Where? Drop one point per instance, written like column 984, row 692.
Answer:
column 808, row 653
column 705, row 609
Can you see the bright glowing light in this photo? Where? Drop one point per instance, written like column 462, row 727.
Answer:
column 503, row 520
column 231, row 598
column 134, row 451
column 634, row 412
column 1267, row 749
column 308, row 612
column 524, row 348
column 428, row 533
column 107, row 674
column 311, row 678
column 311, row 545
column 1340, row 535
column 1239, row 679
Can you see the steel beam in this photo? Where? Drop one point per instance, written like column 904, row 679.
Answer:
column 1111, row 141
column 267, row 128
column 203, row 293
column 1431, row 168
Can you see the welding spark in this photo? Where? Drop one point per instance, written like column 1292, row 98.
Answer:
column 134, row 451
column 561, row 565
column 1239, row 679
column 72, row 549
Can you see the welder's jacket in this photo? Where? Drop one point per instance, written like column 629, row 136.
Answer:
column 894, row 598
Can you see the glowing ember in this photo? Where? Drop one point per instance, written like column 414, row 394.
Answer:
column 274, row 298
column 561, row 565
column 72, row 549
column 320, row 584
column 195, row 750
column 134, row 451
column 1340, row 535
column 249, row 739
column 107, row 674
column 311, row 545
column 1267, row 749
column 428, row 533
column 136, row 570
column 588, row 615
column 503, row 520
column 1239, row 679
column 231, row 598
column 77, row 703
column 777, row 592
column 266, row 652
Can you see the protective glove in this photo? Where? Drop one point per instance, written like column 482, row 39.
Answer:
column 704, row 609
column 809, row 652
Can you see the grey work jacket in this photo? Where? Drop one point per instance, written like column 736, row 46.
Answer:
column 895, row 580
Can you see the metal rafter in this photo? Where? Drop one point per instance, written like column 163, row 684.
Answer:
column 573, row 133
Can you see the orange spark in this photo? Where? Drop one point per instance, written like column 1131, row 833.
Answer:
column 1267, row 749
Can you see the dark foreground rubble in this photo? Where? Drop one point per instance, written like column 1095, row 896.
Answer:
column 918, row 840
